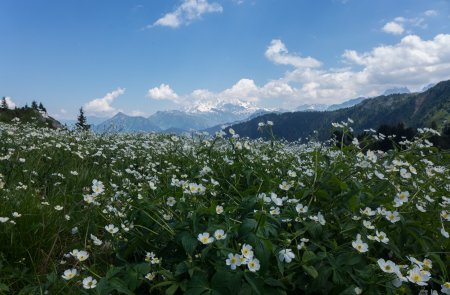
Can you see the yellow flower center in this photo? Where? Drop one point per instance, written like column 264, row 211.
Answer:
column 416, row 277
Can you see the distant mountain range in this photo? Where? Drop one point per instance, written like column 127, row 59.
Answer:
column 213, row 116
column 197, row 117
column 412, row 109
column 207, row 116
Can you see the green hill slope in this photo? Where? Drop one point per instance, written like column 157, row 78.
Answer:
column 424, row 109
column 29, row 115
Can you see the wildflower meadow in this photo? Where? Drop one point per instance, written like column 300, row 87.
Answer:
column 85, row 213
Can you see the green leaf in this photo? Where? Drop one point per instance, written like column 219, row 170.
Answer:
column 120, row 286
column 172, row 289
column 189, row 242
column 226, row 282
column 308, row 256
column 247, row 226
column 255, row 283
column 181, row 268
column 311, row 270
column 274, row 283
column 4, row 287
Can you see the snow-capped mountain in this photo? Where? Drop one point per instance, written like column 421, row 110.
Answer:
column 199, row 116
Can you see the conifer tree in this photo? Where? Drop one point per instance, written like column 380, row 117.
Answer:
column 41, row 107
column 34, row 105
column 4, row 104
column 82, row 121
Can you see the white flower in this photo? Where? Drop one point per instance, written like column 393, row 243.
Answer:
column 445, row 215
column 286, row 255
column 97, row 187
column 4, row 219
column 301, row 209
column 357, row 290
column 171, row 201
column 270, row 123
column 219, row 209
column 320, row 218
column 367, row 211
column 285, row 186
column 89, row 283
column 69, row 274
column 233, row 260
column 81, row 255
column 150, row 276
column 247, row 251
column 96, row 240
column 388, row 266
column 445, row 288
column 274, row 211
column 253, row 265
column 368, row 224
column 220, row 234
column 392, row 216
column 359, row 245
column 404, row 173
column 401, row 198
column 58, row 208
column 16, row 215
column 111, row 228
column 444, row 232
column 381, row 237
column 418, row 276
column 204, row 238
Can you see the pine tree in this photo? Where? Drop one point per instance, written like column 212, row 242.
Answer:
column 34, row 105
column 82, row 121
column 41, row 107
column 4, row 104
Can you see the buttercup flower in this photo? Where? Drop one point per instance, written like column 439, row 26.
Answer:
column 204, row 238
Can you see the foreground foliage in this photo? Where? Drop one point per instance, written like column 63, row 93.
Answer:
column 133, row 214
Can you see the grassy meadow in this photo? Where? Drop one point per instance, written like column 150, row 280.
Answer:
column 160, row 214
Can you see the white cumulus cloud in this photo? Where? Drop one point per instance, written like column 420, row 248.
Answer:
column 187, row 12
column 278, row 53
column 163, row 92
column 412, row 62
column 103, row 105
column 393, row 28
column 11, row 104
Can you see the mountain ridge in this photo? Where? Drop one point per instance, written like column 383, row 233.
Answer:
column 413, row 109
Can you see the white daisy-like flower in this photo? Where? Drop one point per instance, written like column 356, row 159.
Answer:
column 253, row 265
column 69, row 274
column 247, row 251
column 111, row 228
column 233, row 260
column 205, row 239
column 89, row 283
column 220, row 234
column 359, row 245
column 286, row 255
column 219, row 209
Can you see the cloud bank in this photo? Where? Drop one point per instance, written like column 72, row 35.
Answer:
column 412, row 62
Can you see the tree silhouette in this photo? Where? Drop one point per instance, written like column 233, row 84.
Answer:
column 41, row 107
column 34, row 105
column 82, row 121
column 4, row 104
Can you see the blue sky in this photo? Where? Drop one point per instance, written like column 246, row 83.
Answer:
column 149, row 55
